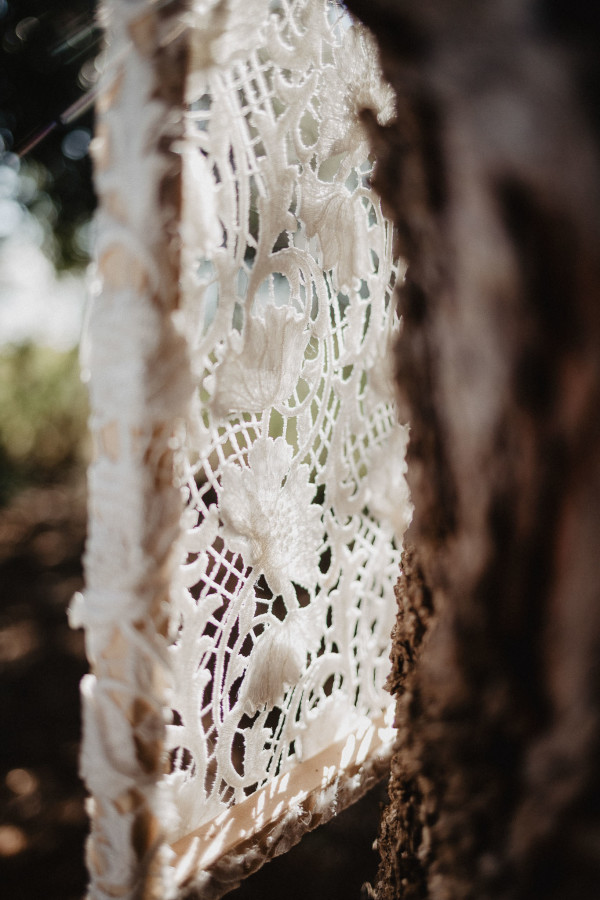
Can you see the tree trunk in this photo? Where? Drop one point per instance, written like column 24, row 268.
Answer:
column 491, row 172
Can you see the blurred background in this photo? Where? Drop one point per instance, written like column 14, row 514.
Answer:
column 47, row 70
column 49, row 65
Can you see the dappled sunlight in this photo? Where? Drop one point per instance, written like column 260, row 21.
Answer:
column 303, row 789
column 12, row 840
column 43, row 820
column 18, row 641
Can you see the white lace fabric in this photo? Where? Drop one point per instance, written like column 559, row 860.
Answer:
column 250, row 605
column 291, row 460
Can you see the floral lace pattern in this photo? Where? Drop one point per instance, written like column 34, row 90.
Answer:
column 295, row 499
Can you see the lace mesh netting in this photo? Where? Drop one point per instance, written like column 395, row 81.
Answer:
column 295, row 499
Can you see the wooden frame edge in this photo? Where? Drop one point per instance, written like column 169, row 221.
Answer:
column 338, row 775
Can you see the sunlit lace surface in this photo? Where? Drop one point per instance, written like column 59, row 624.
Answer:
column 290, row 462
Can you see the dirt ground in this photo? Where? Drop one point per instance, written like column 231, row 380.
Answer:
column 42, row 818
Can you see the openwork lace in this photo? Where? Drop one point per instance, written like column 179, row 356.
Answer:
column 290, row 462
column 237, row 621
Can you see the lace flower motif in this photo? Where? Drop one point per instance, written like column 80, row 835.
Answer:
column 342, row 223
column 277, row 663
column 269, row 517
column 262, row 366
column 354, row 83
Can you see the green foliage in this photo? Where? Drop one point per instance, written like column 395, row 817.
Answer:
column 43, row 414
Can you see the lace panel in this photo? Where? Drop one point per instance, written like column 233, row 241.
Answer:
column 290, row 461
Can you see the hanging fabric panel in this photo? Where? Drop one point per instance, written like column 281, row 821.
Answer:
column 265, row 403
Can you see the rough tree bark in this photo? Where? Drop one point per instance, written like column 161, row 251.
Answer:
column 491, row 171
